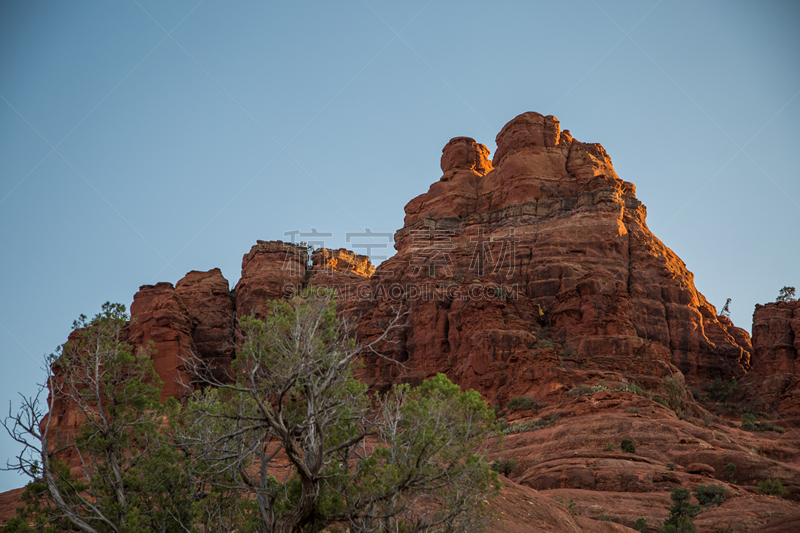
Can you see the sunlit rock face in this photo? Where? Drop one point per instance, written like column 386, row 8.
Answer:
column 532, row 275
column 564, row 240
column 499, row 259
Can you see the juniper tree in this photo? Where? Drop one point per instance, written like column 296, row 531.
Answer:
column 108, row 466
column 296, row 434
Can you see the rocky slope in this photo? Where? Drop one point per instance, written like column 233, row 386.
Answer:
column 534, row 279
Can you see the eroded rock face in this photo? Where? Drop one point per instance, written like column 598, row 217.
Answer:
column 534, row 275
column 774, row 383
column 267, row 271
column 158, row 315
column 210, row 310
column 547, row 236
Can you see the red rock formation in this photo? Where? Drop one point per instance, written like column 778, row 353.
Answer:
column 210, row 309
column 535, row 275
column 774, row 383
column 548, row 236
column 269, row 271
column 158, row 315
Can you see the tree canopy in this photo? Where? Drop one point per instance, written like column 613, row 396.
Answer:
column 288, row 441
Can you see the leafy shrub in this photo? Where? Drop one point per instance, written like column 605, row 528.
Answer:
column 610, row 447
column 772, row 487
column 661, row 400
column 520, row 403
column 502, row 425
column 504, row 466
column 632, row 388
column 749, row 423
column 545, row 343
column 627, row 446
column 570, row 505
column 768, row 425
column 711, row 494
column 671, row 466
column 730, row 468
column 604, row 518
column 723, row 390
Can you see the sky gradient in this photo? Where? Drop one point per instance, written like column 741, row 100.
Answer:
column 140, row 140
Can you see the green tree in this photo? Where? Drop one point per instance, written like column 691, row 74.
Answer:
column 681, row 513
column 786, row 294
column 296, row 434
column 628, row 446
column 110, row 469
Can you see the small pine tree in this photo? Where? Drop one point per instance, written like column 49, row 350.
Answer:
column 786, row 294
column 681, row 513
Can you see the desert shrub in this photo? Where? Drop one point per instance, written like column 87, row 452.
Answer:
column 711, row 494
column 641, row 525
column 768, row 425
column 660, row 400
column 528, row 425
column 772, row 487
column 567, row 352
column 610, row 447
column 604, row 517
column 675, row 392
column 504, row 466
column 587, row 390
column 750, row 423
column 632, row 388
column 730, row 468
column 627, row 446
column 723, row 390
column 519, row 403
column 633, row 410
column 570, row 505
column 671, row 466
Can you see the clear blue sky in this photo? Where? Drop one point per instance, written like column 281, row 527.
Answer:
column 143, row 139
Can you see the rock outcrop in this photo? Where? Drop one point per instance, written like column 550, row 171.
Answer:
column 267, row 270
column 545, row 236
column 774, row 383
column 533, row 277
column 158, row 315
